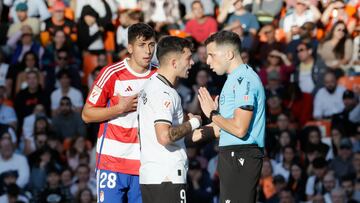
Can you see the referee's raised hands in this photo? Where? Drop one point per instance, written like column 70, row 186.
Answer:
column 127, row 104
column 206, row 102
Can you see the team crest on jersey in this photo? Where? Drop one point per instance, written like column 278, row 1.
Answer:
column 167, row 104
column 95, row 94
column 102, row 196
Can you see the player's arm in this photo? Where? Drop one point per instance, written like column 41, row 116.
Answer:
column 167, row 134
column 206, row 132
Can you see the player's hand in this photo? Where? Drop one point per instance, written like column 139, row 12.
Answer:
column 195, row 116
column 206, row 102
column 127, row 104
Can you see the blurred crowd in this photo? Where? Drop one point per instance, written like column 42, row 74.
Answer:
column 306, row 52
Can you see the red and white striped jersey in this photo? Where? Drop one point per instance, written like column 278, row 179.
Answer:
column 120, row 151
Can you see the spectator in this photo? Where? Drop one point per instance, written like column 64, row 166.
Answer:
column 9, row 160
column 348, row 184
column 161, row 12
column 83, row 180
column 63, row 60
column 356, row 164
column 5, row 79
column 67, row 177
column 54, row 191
column 27, row 99
column 85, row 196
column 351, row 113
column 7, row 113
column 7, row 178
column 336, row 48
column 267, row 43
column 315, row 183
column 31, row 63
column 67, row 122
column 200, row 26
column 312, row 134
column 328, row 100
column 355, row 60
column 338, row 195
column 247, row 40
column 13, row 195
column 283, row 168
column 78, row 150
column 21, row 13
column 286, row 196
column 209, row 7
column 67, row 90
column 280, row 184
column 330, row 183
column 58, row 21
column 310, row 72
column 303, row 12
column 266, row 11
column 297, row 182
column 89, row 31
column 35, row 8
column 22, row 42
column 248, row 20
column 105, row 9
column 267, row 187
column 199, row 188
column 342, row 164
column 279, row 63
column 336, row 12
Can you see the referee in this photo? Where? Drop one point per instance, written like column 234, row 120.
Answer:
column 241, row 118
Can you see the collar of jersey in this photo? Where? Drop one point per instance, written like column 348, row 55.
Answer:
column 164, row 80
column 238, row 70
column 135, row 73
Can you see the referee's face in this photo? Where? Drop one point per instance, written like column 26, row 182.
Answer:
column 215, row 58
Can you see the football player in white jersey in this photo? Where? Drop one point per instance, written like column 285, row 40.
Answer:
column 161, row 128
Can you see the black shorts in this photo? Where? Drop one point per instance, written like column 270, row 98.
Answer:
column 239, row 170
column 165, row 192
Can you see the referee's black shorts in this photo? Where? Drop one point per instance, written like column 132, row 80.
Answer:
column 239, row 170
column 165, row 192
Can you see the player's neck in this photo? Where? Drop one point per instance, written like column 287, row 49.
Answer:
column 234, row 64
column 135, row 67
column 168, row 75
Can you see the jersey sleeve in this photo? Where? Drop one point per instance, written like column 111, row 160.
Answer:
column 101, row 91
column 163, row 106
column 245, row 92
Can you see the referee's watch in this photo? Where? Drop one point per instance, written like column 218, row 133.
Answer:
column 213, row 113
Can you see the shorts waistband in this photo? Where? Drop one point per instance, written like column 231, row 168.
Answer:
column 239, row 147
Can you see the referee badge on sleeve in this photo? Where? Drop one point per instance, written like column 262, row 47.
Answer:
column 246, row 97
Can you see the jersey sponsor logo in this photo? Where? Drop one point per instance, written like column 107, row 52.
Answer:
column 167, row 104
column 95, row 94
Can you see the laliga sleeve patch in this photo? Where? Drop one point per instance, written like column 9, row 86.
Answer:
column 167, row 104
column 95, row 94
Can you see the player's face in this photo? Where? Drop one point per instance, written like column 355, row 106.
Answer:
column 184, row 63
column 215, row 59
column 142, row 51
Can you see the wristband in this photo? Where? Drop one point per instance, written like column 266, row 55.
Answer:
column 213, row 113
column 195, row 123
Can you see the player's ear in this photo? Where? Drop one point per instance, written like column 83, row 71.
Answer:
column 173, row 62
column 130, row 48
column 229, row 54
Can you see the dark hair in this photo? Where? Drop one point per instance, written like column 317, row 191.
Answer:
column 139, row 30
column 79, row 193
column 348, row 178
column 306, row 44
column 339, row 49
column 63, row 72
column 225, row 38
column 171, row 44
column 36, row 58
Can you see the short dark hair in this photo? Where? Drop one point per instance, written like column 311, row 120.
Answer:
column 171, row 44
column 140, row 30
column 63, row 72
column 225, row 38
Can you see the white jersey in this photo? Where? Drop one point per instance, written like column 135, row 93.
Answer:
column 159, row 102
